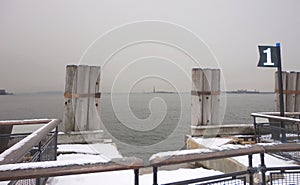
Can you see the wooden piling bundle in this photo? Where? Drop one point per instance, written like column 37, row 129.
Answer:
column 205, row 97
column 291, row 91
column 82, row 98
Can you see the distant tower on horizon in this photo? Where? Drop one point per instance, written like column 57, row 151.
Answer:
column 153, row 89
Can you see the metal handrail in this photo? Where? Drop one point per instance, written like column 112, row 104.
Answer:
column 273, row 115
column 16, row 152
column 43, row 169
column 24, row 122
column 219, row 154
column 11, row 170
column 209, row 154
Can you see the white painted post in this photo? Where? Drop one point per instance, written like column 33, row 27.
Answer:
column 82, row 105
column 196, row 105
column 81, row 112
column 290, row 93
column 207, row 84
column 215, row 97
column 94, row 99
column 205, row 106
column 82, row 98
column 297, row 100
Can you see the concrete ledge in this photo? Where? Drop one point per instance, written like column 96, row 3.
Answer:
column 225, row 165
column 222, row 130
column 95, row 136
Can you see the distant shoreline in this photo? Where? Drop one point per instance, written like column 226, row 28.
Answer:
column 157, row 92
column 247, row 92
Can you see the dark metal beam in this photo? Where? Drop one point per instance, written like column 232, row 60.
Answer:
column 215, row 154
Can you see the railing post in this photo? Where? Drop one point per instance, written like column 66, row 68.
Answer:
column 40, row 151
column 37, row 180
column 136, row 176
column 55, row 143
column 263, row 168
column 255, row 130
column 155, row 175
column 250, row 169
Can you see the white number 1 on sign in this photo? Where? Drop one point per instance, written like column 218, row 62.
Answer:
column 269, row 57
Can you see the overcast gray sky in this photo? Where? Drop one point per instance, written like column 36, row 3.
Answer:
column 39, row 38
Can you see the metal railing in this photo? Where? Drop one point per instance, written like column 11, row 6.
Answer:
column 41, row 145
column 38, row 148
column 238, row 177
column 277, row 128
column 43, row 169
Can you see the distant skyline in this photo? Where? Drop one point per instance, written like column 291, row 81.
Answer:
column 39, row 38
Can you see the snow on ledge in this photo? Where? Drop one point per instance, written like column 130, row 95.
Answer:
column 75, row 159
column 211, row 142
column 179, row 152
column 199, row 151
column 108, row 150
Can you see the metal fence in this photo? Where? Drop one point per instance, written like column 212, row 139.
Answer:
column 285, row 177
column 41, row 146
column 30, row 147
column 279, row 175
column 238, row 178
column 275, row 128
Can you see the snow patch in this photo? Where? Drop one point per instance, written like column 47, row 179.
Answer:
column 179, row 152
column 126, row 177
column 230, row 147
column 270, row 161
column 199, row 151
column 212, row 142
column 108, row 150
column 70, row 160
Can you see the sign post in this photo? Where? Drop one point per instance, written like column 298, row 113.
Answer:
column 270, row 56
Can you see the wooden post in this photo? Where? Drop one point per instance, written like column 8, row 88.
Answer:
column 82, row 98
column 94, row 99
column 205, row 97
column 297, row 99
column 81, row 116
column 197, row 86
column 70, row 86
column 207, row 84
column 290, row 93
column 215, row 97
